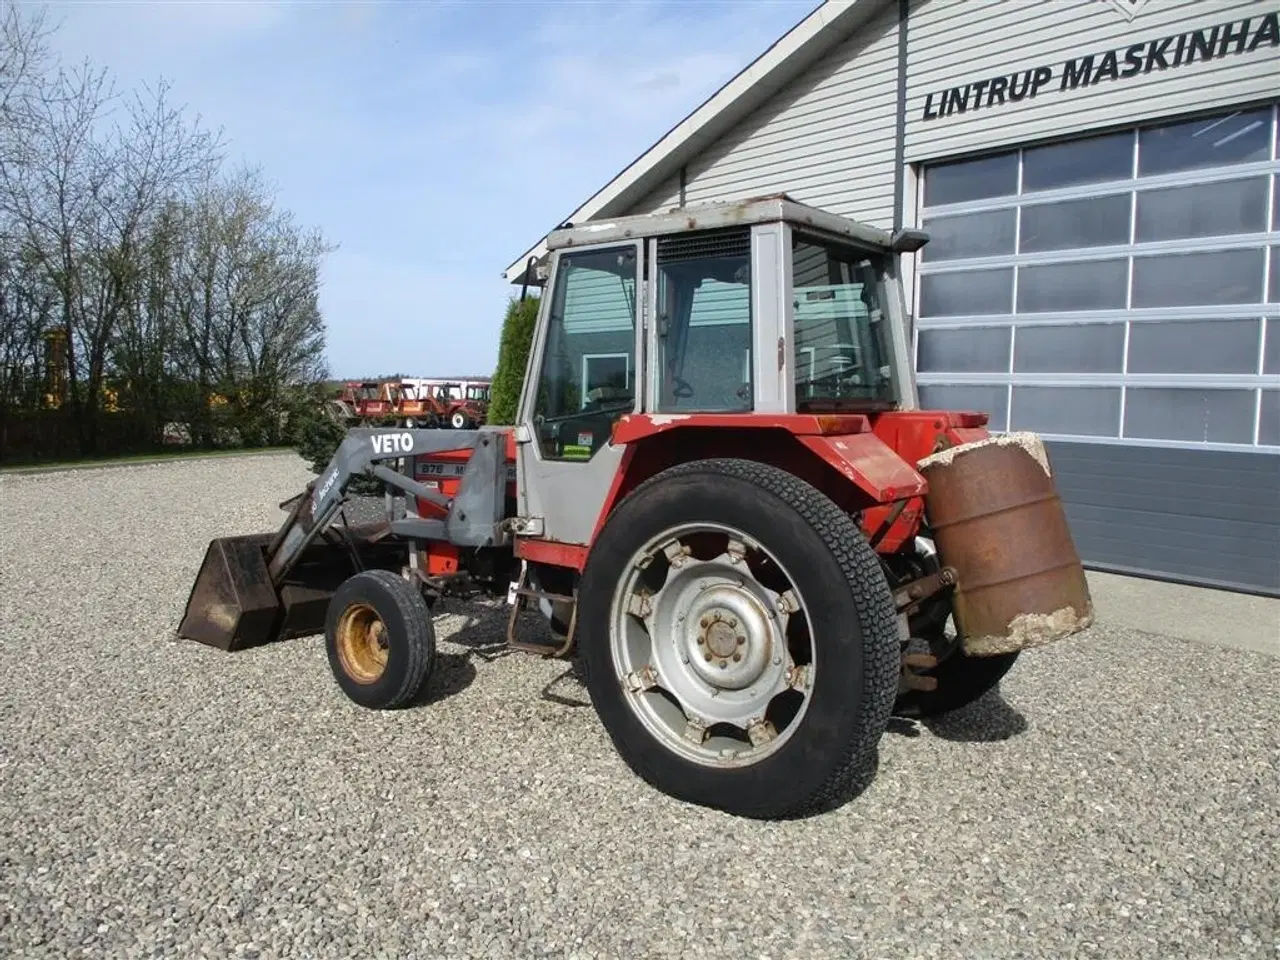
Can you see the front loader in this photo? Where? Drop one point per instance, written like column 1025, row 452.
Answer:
column 723, row 496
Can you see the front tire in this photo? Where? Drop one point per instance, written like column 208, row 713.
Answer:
column 739, row 639
column 380, row 639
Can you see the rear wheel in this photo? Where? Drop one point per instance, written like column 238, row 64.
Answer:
column 380, row 639
column 740, row 641
column 458, row 420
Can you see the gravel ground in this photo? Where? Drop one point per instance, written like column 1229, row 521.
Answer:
column 1117, row 799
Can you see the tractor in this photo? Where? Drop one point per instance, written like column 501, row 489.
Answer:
column 721, row 498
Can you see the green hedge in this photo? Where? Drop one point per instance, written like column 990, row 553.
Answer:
column 513, row 354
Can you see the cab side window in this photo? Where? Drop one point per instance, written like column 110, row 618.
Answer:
column 704, row 322
column 588, row 374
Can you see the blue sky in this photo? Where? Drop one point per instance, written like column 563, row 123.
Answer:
column 432, row 140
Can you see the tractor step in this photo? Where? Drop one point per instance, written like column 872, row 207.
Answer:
column 518, row 596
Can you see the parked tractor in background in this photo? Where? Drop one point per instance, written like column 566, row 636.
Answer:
column 721, row 495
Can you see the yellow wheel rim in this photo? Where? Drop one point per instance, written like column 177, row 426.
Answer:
column 362, row 643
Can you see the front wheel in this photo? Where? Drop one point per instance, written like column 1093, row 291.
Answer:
column 380, row 639
column 739, row 639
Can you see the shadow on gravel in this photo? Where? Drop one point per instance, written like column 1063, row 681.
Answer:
column 987, row 720
column 484, row 636
column 451, row 675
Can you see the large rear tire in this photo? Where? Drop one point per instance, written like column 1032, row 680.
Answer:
column 738, row 639
column 380, row 639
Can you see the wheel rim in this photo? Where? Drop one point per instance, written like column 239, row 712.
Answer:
column 711, row 641
column 362, row 643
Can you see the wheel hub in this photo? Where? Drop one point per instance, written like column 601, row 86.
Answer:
column 702, row 645
column 731, row 637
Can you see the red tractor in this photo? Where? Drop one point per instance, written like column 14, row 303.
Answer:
column 722, row 496
column 367, row 401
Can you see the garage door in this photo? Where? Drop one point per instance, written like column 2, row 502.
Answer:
column 1120, row 294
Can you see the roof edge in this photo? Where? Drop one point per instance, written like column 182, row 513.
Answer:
column 769, row 72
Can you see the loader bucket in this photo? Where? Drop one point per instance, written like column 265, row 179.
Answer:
column 233, row 604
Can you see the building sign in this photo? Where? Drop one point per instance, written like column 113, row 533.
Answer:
column 1139, row 59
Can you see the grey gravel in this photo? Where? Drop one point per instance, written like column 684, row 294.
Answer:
column 1118, row 798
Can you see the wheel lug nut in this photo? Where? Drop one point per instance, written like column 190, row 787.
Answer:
column 741, row 640
column 706, row 621
column 701, row 641
column 733, row 621
column 737, row 657
column 724, row 664
column 707, row 656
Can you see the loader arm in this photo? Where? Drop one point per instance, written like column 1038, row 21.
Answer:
column 259, row 588
column 472, row 518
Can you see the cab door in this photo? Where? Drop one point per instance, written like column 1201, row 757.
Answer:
column 585, row 374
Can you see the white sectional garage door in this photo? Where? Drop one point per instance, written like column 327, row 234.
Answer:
column 1119, row 293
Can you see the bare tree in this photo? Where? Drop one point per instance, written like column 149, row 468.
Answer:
column 172, row 284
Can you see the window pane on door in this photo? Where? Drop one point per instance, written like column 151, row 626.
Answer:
column 1091, row 285
column 991, row 400
column 1186, row 413
column 584, row 385
column 1269, row 425
column 971, row 350
column 1094, row 160
column 1214, row 278
column 1194, row 346
column 1071, row 224
column 1203, row 210
column 970, row 235
column 843, row 358
column 1082, row 411
column 968, row 293
column 971, row 180
column 1237, row 137
column 1076, row 348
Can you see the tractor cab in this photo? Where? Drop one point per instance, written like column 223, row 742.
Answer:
column 760, row 306
column 763, row 306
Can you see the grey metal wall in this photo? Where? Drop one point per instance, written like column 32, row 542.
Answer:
column 1199, row 516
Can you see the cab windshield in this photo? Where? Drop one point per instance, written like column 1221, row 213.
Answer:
column 842, row 351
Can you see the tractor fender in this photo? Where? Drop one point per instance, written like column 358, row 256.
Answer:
column 871, row 464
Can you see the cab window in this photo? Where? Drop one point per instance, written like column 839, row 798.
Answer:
column 704, row 322
column 588, row 377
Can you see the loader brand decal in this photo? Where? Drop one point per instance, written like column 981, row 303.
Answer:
column 1245, row 36
column 325, row 487
column 392, row 442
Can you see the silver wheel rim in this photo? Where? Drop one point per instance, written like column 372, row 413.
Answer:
column 711, row 641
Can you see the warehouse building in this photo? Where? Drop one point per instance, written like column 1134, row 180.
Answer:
column 1100, row 181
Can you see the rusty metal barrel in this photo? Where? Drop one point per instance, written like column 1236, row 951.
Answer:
column 997, row 520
